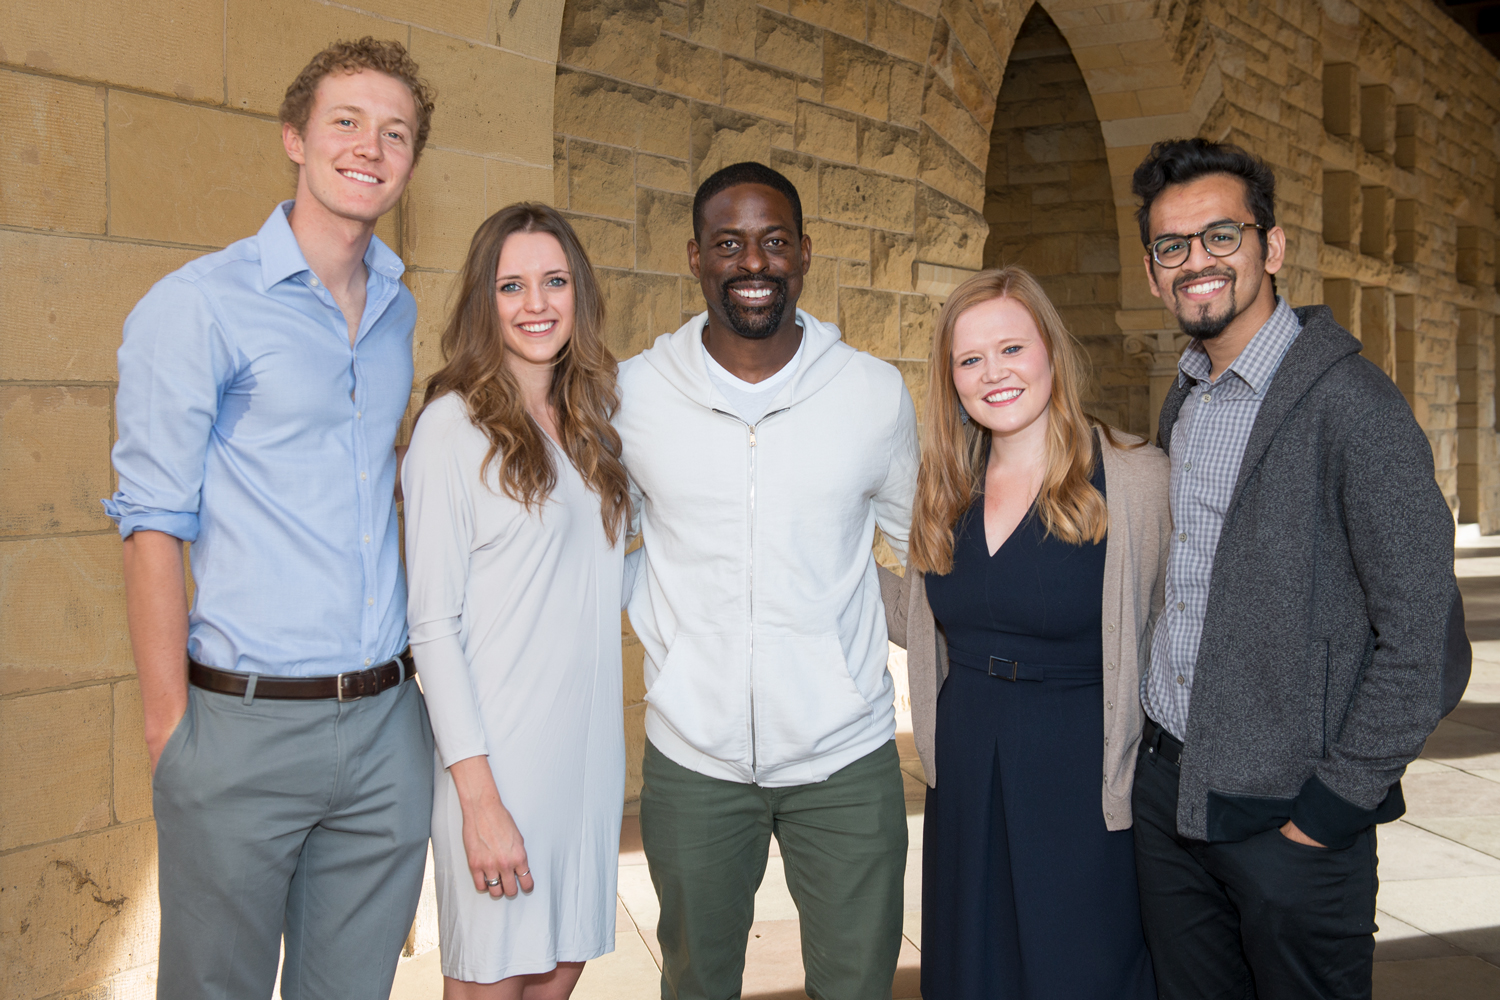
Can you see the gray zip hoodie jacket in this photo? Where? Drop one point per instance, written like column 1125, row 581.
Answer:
column 757, row 599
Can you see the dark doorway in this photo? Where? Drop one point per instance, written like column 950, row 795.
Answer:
column 1051, row 208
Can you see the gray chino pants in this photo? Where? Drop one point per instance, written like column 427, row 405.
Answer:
column 303, row 818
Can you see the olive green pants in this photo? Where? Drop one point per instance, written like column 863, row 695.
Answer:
column 843, row 844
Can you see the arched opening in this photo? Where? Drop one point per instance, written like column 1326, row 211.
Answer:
column 1050, row 206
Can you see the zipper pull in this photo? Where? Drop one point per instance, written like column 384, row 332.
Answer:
column 752, row 437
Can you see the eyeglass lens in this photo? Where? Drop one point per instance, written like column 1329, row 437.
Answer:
column 1219, row 241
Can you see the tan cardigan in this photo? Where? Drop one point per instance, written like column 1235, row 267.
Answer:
column 1135, row 568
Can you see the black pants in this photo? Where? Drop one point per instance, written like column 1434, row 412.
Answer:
column 1264, row 917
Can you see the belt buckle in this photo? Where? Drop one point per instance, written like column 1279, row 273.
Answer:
column 1004, row 674
column 340, row 684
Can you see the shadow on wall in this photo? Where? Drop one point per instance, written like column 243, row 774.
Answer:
column 1051, row 209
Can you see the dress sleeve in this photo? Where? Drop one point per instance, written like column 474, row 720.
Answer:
column 436, row 480
column 174, row 366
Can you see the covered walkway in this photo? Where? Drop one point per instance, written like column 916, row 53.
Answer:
column 1439, row 902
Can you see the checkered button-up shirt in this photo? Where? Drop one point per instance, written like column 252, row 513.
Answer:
column 1208, row 443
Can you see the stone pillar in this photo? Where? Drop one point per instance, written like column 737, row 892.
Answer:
column 1158, row 350
column 1476, row 419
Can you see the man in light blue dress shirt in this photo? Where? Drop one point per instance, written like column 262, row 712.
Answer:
column 261, row 390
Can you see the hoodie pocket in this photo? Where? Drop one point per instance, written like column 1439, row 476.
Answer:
column 806, row 703
column 702, row 694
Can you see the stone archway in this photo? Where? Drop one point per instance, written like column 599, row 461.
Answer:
column 1050, row 208
column 1150, row 78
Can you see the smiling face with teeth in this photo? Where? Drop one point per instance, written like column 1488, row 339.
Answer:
column 356, row 152
column 1001, row 370
column 1219, row 301
column 534, row 297
column 750, row 263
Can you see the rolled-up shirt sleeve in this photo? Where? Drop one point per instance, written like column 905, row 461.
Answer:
column 174, row 364
column 439, row 536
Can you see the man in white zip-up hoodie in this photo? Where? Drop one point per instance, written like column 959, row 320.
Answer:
column 764, row 452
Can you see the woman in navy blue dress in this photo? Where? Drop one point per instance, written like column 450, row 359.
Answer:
column 1037, row 551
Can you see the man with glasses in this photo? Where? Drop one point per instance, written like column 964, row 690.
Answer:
column 1311, row 610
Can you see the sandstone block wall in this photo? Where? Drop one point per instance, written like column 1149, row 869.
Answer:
column 1050, row 208
column 138, row 136
column 1379, row 117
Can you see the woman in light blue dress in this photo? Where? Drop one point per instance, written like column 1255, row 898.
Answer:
column 516, row 515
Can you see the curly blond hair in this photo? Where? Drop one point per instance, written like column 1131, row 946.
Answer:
column 387, row 57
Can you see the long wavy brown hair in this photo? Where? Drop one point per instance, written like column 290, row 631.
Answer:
column 955, row 453
column 583, row 389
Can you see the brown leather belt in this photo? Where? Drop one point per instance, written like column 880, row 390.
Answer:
column 342, row 687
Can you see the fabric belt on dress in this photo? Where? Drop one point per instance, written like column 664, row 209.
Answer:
column 1016, row 670
column 343, row 687
column 1156, row 740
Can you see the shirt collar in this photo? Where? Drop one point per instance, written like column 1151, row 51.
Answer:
column 1259, row 360
column 281, row 257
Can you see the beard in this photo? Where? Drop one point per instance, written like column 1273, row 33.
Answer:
column 759, row 322
column 1200, row 324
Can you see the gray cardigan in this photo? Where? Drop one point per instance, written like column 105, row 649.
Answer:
column 1320, row 672
column 1135, row 565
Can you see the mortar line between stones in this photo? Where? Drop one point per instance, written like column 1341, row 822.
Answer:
column 106, row 238
column 108, row 207
column 412, row 25
column 48, row 536
column 76, row 836
column 114, row 737
column 75, row 686
column 49, row 383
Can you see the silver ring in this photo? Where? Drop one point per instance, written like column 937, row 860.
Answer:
column 523, row 874
column 492, row 882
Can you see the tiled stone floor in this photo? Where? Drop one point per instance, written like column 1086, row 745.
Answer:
column 1439, row 902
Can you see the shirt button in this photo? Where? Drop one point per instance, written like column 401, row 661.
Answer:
column 362, row 477
column 367, row 661
column 370, row 601
column 1109, row 815
column 1109, row 705
column 1207, row 396
column 358, row 414
column 1111, row 666
column 1182, row 536
column 314, row 282
column 1111, row 626
column 1187, row 466
column 1181, row 679
column 367, row 539
column 1180, row 605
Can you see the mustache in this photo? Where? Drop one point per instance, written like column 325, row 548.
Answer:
column 756, row 279
column 1227, row 273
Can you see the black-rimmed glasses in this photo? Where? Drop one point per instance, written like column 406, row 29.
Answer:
column 1218, row 240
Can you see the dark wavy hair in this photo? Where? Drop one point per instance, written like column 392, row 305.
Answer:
column 583, row 375
column 748, row 172
column 1177, row 161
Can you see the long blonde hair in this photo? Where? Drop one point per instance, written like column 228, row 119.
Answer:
column 583, row 374
column 955, row 453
